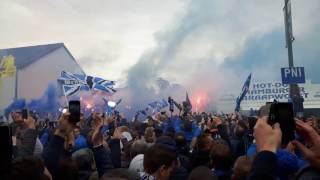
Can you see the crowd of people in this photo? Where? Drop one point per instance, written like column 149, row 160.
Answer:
column 194, row 146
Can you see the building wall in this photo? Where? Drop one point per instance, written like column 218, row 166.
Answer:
column 6, row 91
column 34, row 79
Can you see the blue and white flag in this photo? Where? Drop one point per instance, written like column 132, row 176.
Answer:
column 158, row 105
column 244, row 91
column 153, row 105
column 164, row 103
column 72, row 83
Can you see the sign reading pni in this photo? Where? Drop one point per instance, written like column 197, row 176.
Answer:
column 293, row 75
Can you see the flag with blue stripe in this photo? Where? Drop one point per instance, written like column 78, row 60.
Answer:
column 72, row 83
column 243, row 93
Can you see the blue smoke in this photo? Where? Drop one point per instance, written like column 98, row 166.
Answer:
column 17, row 104
column 49, row 102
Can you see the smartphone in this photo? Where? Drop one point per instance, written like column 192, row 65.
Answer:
column 74, row 110
column 282, row 113
column 6, row 149
column 24, row 114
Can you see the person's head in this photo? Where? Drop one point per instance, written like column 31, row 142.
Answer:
column 201, row 173
column 120, row 174
column 29, row 168
column 149, row 135
column 170, row 132
column 243, row 123
column 241, row 168
column 76, row 132
column 187, row 124
column 159, row 161
column 138, row 147
column 158, row 132
column 67, row 169
column 84, row 159
column 204, row 142
column 69, row 142
column 17, row 117
column 150, row 122
column 239, row 131
column 221, row 156
column 180, row 140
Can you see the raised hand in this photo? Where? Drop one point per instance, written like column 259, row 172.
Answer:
column 64, row 126
column 97, row 136
column 30, row 122
column 312, row 139
column 267, row 138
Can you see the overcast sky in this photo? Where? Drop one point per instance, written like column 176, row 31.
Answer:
column 184, row 41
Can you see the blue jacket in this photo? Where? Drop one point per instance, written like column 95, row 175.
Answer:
column 286, row 164
column 80, row 142
column 263, row 166
column 188, row 135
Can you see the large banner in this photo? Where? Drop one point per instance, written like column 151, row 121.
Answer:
column 267, row 91
column 261, row 92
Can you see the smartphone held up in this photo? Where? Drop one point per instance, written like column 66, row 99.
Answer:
column 74, row 110
column 282, row 113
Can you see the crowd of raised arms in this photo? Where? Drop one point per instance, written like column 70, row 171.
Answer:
column 195, row 146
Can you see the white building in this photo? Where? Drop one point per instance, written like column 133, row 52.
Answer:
column 37, row 67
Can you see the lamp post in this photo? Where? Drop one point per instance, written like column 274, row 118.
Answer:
column 294, row 92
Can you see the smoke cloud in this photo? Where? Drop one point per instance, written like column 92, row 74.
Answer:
column 212, row 48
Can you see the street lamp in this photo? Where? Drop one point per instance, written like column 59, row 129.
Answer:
column 294, row 93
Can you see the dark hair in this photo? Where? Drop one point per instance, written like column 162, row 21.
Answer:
column 243, row 124
column 202, row 141
column 170, row 132
column 68, row 169
column 120, row 173
column 84, row 159
column 242, row 168
column 138, row 147
column 149, row 135
column 239, row 131
column 187, row 124
column 28, row 168
column 156, row 156
column 180, row 139
column 158, row 132
column 221, row 156
column 202, row 173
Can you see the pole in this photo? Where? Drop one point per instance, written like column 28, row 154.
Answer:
column 288, row 28
column 294, row 92
column 16, row 86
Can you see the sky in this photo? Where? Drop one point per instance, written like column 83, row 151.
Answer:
column 204, row 45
